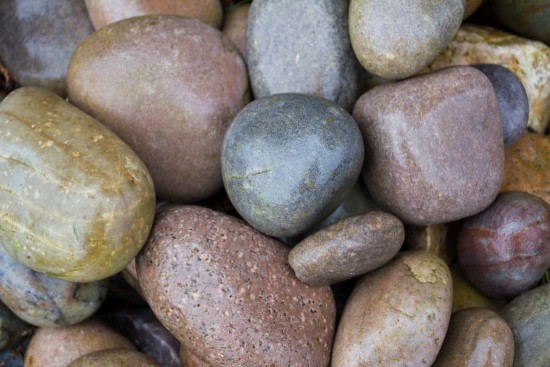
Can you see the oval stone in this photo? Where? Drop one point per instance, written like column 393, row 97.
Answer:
column 44, row 301
column 288, row 160
column 530, row 18
column 395, row 39
column 505, row 249
column 38, row 38
column 228, row 295
column 347, row 248
column 302, row 47
column 105, row 12
column 433, row 145
column 114, row 358
column 477, row 337
column 512, row 100
column 187, row 81
column 529, row 318
column 396, row 315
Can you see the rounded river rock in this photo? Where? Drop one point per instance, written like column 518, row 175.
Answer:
column 288, row 160
column 226, row 292
column 434, row 149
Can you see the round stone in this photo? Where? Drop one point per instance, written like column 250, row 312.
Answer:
column 288, row 160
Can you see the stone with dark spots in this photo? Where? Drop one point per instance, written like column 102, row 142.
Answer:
column 434, row 146
column 395, row 39
column 226, row 292
column 45, row 301
column 439, row 239
column 505, row 249
column 512, row 100
column 396, row 315
column 39, row 37
column 348, row 248
column 187, row 82
column 529, row 318
column 235, row 23
column 529, row 18
column 302, row 47
column 288, row 160
column 477, row 337
column 105, row 12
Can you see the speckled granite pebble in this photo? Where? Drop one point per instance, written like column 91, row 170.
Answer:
column 288, row 160
column 529, row 60
column 395, row 39
column 512, row 100
column 302, row 47
column 434, row 145
column 529, row 318
column 225, row 291
column 37, row 39
column 347, row 248
column 530, row 18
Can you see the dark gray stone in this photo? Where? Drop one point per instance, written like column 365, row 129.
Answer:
column 37, row 39
column 529, row 318
column 302, row 47
column 12, row 329
column 512, row 100
column 288, row 160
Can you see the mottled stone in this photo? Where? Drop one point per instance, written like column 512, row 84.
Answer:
column 226, row 292
column 105, row 12
column 529, row 60
column 471, row 7
column 529, row 318
column 433, row 145
column 38, row 38
column 302, row 47
column 57, row 347
column 347, row 248
column 505, row 249
column 527, row 166
column 44, row 301
column 466, row 296
column 288, row 160
column 235, row 23
column 397, row 315
column 477, row 337
column 12, row 328
column 187, row 82
column 114, row 358
column 394, row 40
column 512, row 100
column 530, row 18
column 439, row 239
column 147, row 334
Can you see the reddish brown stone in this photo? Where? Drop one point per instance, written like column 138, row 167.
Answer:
column 225, row 291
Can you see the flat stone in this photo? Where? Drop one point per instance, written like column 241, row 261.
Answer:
column 347, row 248
column 434, row 146
column 530, row 18
column 302, row 47
column 288, row 160
column 529, row 60
column 395, row 41
column 39, row 37
column 527, row 166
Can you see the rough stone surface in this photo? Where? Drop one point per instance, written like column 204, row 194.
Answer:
column 228, row 295
column 235, row 23
column 114, row 358
column 288, row 160
column 44, row 301
column 466, row 296
column 105, row 12
column 347, row 248
column 477, row 337
column 505, row 249
column 38, row 38
column 530, row 18
column 529, row 60
column 302, row 47
column 527, row 166
column 512, row 100
column 439, row 239
column 187, row 81
column 396, row 41
column 433, row 145
column 397, row 315
column 529, row 318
